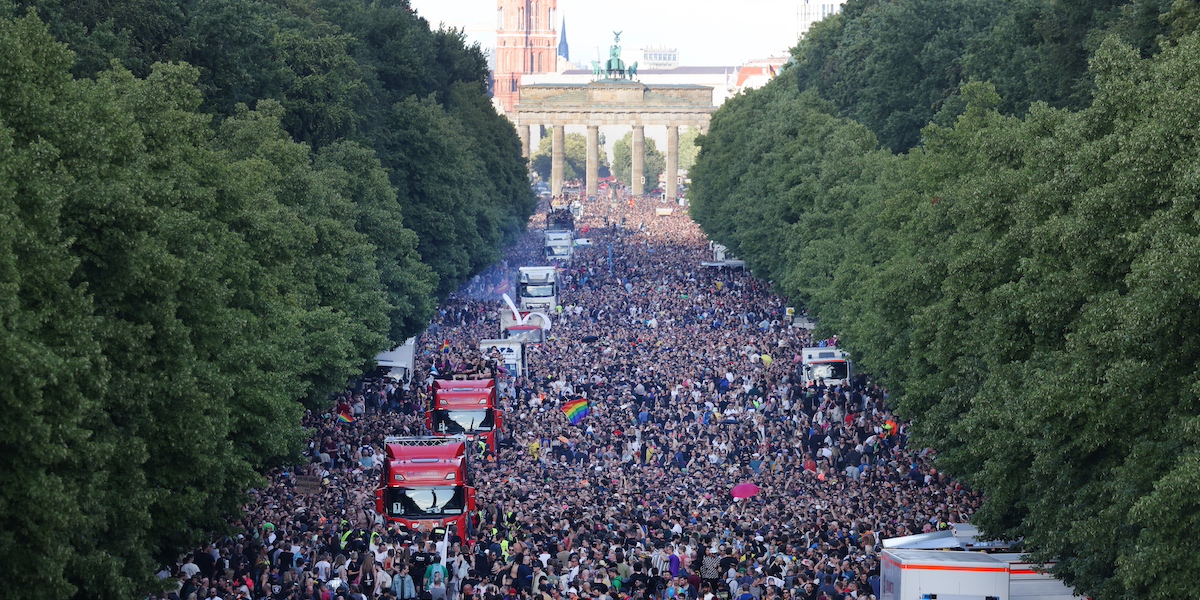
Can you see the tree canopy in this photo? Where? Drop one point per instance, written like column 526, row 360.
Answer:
column 1020, row 280
column 574, row 157
column 213, row 214
column 653, row 161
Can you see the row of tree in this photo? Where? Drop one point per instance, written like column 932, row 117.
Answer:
column 574, row 157
column 1023, row 278
column 213, row 213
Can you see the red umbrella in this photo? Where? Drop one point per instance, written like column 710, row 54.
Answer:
column 744, row 490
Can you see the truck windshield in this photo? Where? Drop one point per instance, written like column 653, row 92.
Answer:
column 531, row 336
column 558, row 250
column 463, row 421
column 536, row 291
column 835, row 370
column 426, row 502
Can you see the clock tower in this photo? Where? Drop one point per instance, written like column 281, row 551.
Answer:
column 526, row 43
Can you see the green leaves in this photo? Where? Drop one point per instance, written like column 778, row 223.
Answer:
column 177, row 286
column 654, row 162
column 574, row 157
column 1022, row 286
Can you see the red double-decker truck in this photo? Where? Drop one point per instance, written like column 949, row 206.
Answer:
column 466, row 408
column 426, row 482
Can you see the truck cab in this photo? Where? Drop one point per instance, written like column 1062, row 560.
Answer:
column 427, row 481
column 469, row 411
column 537, row 288
column 559, row 245
column 828, row 366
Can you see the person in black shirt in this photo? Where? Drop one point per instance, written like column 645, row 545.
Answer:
column 420, row 561
column 727, row 562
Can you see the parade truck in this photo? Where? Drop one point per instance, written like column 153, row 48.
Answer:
column 426, row 483
column 398, row 362
column 559, row 245
column 537, row 288
column 467, row 409
column 528, row 327
column 560, row 219
column 951, row 575
column 828, row 366
column 511, row 351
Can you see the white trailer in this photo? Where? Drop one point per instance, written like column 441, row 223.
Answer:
column 1027, row 582
column 722, row 258
column 825, row 365
column 399, row 360
column 920, row 574
column 512, row 352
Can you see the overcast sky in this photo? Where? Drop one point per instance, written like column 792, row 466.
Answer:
column 706, row 32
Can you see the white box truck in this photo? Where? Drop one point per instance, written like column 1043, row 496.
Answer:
column 824, row 365
column 399, row 361
column 512, row 352
column 559, row 245
column 942, row 575
column 537, row 288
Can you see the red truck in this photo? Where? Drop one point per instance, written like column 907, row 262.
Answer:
column 426, row 482
column 465, row 408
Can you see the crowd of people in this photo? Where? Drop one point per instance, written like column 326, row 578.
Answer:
column 692, row 384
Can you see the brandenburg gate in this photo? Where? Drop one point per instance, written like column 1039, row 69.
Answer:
column 613, row 97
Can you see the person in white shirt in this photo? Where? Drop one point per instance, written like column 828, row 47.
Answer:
column 190, row 567
column 323, row 567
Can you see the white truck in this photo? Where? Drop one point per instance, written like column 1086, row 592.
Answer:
column 537, row 288
column 950, row 575
column 829, row 366
column 512, row 354
column 528, row 327
column 399, row 360
column 559, row 245
column 722, row 258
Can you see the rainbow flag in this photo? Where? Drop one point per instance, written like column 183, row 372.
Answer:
column 446, row 347
column 345, row 418
column 575, row 410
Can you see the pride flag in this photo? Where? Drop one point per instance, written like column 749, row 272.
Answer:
column 575, row 410
column 345, row 418
column 445, row 346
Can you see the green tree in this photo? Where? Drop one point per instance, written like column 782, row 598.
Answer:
column 574, row 157
column 409, row 282
column 653, row 164
column 688, row 148
column 1015, row 283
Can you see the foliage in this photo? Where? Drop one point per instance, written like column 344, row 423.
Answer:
column 1019, row 284
column 574, row 157
column 688, row 148
column 895, row 66
column 337, row 67
column 653, row 161
column 192, row 255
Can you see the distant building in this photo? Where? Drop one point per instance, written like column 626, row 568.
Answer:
column 812, row 11
column 658, row 57
column 757, row 73
column 526, row 44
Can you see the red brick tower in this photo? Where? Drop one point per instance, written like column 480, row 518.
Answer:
column 526, row 42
